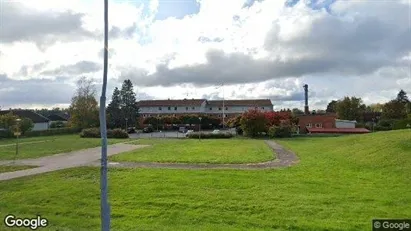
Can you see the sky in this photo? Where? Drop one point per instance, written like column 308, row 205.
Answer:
column 187, row 48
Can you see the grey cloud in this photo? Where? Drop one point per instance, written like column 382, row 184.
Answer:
column 25, row 70
column 34, row 91
column 82, row 67
column 116, row 32
column 111, row 52
column 20, row 23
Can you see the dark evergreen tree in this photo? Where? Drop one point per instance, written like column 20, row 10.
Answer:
column 402, row 97
column 128, row 104
column 114, row 115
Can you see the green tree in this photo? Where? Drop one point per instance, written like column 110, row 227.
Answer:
column 84, row 111
column 296, row 112
column 128, row 104
column 350, row 108
column 402, row 97
column 332, row 106
column 394, row 109
column 25, row 125
column 7, row 120
column 114, row 115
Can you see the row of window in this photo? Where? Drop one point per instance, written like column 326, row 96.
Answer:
column 150, row 115
column 318, row 125
column 193, row 108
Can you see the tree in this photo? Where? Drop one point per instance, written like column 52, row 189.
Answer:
column 84, row 112
column 128, row 104
column 332, row 106
column 25, row 125
column 394, row 109
column 253, row 122
column 114, row 115
column 350, row 108
column 402, row 97
column 297, row 112
column 375, row 107
column 7, row 120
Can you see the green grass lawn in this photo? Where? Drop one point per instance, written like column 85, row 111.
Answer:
column 340, row 183
column 32, row 147
column 195, row 151
column 4, row 168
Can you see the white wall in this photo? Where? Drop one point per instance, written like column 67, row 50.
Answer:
column 235, row 109
column 40, row 126
column 200, row 109
column 344, row 124
column 164, row 110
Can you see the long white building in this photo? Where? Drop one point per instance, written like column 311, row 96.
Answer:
column 150, row 108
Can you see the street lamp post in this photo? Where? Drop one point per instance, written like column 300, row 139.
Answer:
column 126, row 123
column 199, row 129
column 17, row 133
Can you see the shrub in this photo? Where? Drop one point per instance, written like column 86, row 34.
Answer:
column 57, row 124
column 6, row 134
column 95, row 133
column 384, row 125
column 401, row 124
column 239, row 130
column 224, row 135
column 118, row 134
column 281, row 131
column 52, row 132
column 91, row 133
column 253, row 123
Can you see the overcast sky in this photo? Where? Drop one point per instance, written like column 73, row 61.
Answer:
column 185, row 48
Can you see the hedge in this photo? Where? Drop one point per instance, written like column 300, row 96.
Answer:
column 52, row 132
column 401, row 124
column 195, row 135
column 6, row 134
column 111, row 133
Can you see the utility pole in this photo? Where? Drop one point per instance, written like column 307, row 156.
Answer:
column 105, row 209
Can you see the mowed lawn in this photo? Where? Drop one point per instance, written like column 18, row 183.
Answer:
column 48, row 145
column 341, row 183
column 199, row 151
column 4, row 168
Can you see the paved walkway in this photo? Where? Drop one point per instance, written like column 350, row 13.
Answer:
column 63, row 161
column 283, row 158
column 90, row 157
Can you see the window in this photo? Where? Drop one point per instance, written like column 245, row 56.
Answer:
column 263, row 108
column 318, row 125
column 219, row 115
column 169, row 108
column 193, row 108
column 175, row 108
column 159, row 108
column 211, row 108
column 219, row 108
column 186, row 108
column 309, row 125
column 226, row 108
column 144, row 115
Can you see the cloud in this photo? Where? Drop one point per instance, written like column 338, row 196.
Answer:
column 21, row 23
column 78, row 68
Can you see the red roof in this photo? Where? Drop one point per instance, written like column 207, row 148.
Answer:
column 241, row 102
column 339, row 130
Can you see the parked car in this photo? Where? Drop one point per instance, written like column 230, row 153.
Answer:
column 131, row 130
column 215, row 131
column 148, row 130
column 182, row 129
column 188, row 132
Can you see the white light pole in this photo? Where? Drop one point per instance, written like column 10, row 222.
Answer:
column 222, row 86
column 199, row 129
column 17, row 133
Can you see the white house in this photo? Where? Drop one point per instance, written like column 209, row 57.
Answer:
column 40, row 122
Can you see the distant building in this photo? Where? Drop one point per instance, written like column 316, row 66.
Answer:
column 230, row 108
column 345, row 123
column 58, row 117
column 40, row 122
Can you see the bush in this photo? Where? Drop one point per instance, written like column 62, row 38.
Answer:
column 224, row 135
column 384, row 125
column 281, row 131
column 401, row 124
column 52, row 132
column 253, row 123
column 57, row 124
column 95, row 133
column 239, row 131
column 6, row 134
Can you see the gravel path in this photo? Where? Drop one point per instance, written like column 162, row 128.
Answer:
column 63, row 160
column 283, row 158
column 90, row 157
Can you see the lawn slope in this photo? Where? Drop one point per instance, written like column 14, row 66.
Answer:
column 340, row 183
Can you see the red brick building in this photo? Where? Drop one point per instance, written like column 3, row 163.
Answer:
column 316, row 121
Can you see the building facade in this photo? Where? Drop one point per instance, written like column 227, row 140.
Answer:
column 219, row 108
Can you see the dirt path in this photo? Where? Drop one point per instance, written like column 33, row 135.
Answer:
column 90, row 157
column 283, row 158
column 63, row 160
